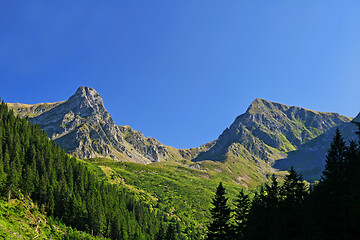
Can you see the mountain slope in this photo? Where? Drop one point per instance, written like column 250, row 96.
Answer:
column 31, row 110
column 309, row 158
column 266, row 132
column 269, row 130
column 22, row 219
column 31, row 165
column 83, row 127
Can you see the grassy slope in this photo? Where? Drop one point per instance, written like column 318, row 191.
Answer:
column 178, row 188
column 22, row 219
column 31, row 110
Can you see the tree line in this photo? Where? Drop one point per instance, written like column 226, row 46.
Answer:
column 33, row 165
column 292, row 209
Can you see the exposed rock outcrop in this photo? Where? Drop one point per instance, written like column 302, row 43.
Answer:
column 84, row 128
column 269, row 130
column 265, row 133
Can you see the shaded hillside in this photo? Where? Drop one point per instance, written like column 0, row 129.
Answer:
column 309, row 159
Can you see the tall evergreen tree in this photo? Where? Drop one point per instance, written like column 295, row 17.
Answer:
column 219, row 227
column 241, row 211
column 328, row 198
column 334, row 174
column 290, row 213
column 294, row 190
column 351, row 198
column 263, row 216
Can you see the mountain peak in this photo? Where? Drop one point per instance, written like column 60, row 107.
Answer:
column 259, row 100
column 260, row 105
column 269, row 130
column 85, row 90
column 86, row 100
column 86, row 93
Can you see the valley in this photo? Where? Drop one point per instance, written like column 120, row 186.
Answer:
column 251, row 146
column 266, row 140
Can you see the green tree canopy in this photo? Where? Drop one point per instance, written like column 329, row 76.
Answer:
column 219, row 227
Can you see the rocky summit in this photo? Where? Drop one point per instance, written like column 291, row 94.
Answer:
column 281, row 136
column 267, row 134
column 269, row 130
column 84, row 128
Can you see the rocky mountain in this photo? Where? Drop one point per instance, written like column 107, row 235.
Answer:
column 265, row 133
column 309, row 158
column 269, row 130
column 85, row 129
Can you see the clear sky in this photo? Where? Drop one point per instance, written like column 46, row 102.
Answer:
column 181, row 71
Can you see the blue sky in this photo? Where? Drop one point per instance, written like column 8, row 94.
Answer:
column 181, row 71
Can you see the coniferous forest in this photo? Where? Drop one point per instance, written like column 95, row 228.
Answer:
column 33, row 166
column 291, row 209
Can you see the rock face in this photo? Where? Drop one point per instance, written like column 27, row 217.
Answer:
column 267, row 134
column 83, row 127
column 269, row 130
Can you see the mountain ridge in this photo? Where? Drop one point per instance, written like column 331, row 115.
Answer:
column 85, row 129
column 265, row 133
column 269, row 129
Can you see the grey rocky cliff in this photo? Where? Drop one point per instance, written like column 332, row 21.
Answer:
column 267, row 133
column 269, row 130
column 83, row 127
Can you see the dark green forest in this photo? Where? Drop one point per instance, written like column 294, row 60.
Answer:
column 33, row 166
column 328, row 209
column 66, row 190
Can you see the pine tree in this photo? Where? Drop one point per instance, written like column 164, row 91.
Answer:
column 329, row 194
column 294, row 189
column 241, row 211
column 262, row 220
column 290, row 213
column 219, row 227
column 352, row 194
column 334, row 174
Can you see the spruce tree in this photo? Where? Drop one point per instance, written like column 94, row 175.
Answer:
column 262, row 220
column 290, row 213
column 241, row 211
column 219, row 227
column 334, row 174
column 329, row 196
column 294, row 189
